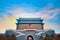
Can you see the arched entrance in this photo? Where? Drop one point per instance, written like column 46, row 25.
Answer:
column 30, row 37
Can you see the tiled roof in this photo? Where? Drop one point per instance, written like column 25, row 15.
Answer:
column 29, row 21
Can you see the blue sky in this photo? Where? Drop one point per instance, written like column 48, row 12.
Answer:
column 49, row 10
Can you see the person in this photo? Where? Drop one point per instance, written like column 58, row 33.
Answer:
column 29, row 38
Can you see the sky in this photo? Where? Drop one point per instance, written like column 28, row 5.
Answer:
column 10, row 10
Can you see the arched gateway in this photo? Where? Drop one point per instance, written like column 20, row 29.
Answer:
column 30, row 37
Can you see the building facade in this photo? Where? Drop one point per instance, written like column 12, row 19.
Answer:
column 29, row 23
column 28, row 29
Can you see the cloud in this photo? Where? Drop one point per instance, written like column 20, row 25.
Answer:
column 45, row 14
column 8, row 21
column 53, row 26
column 49, row 14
